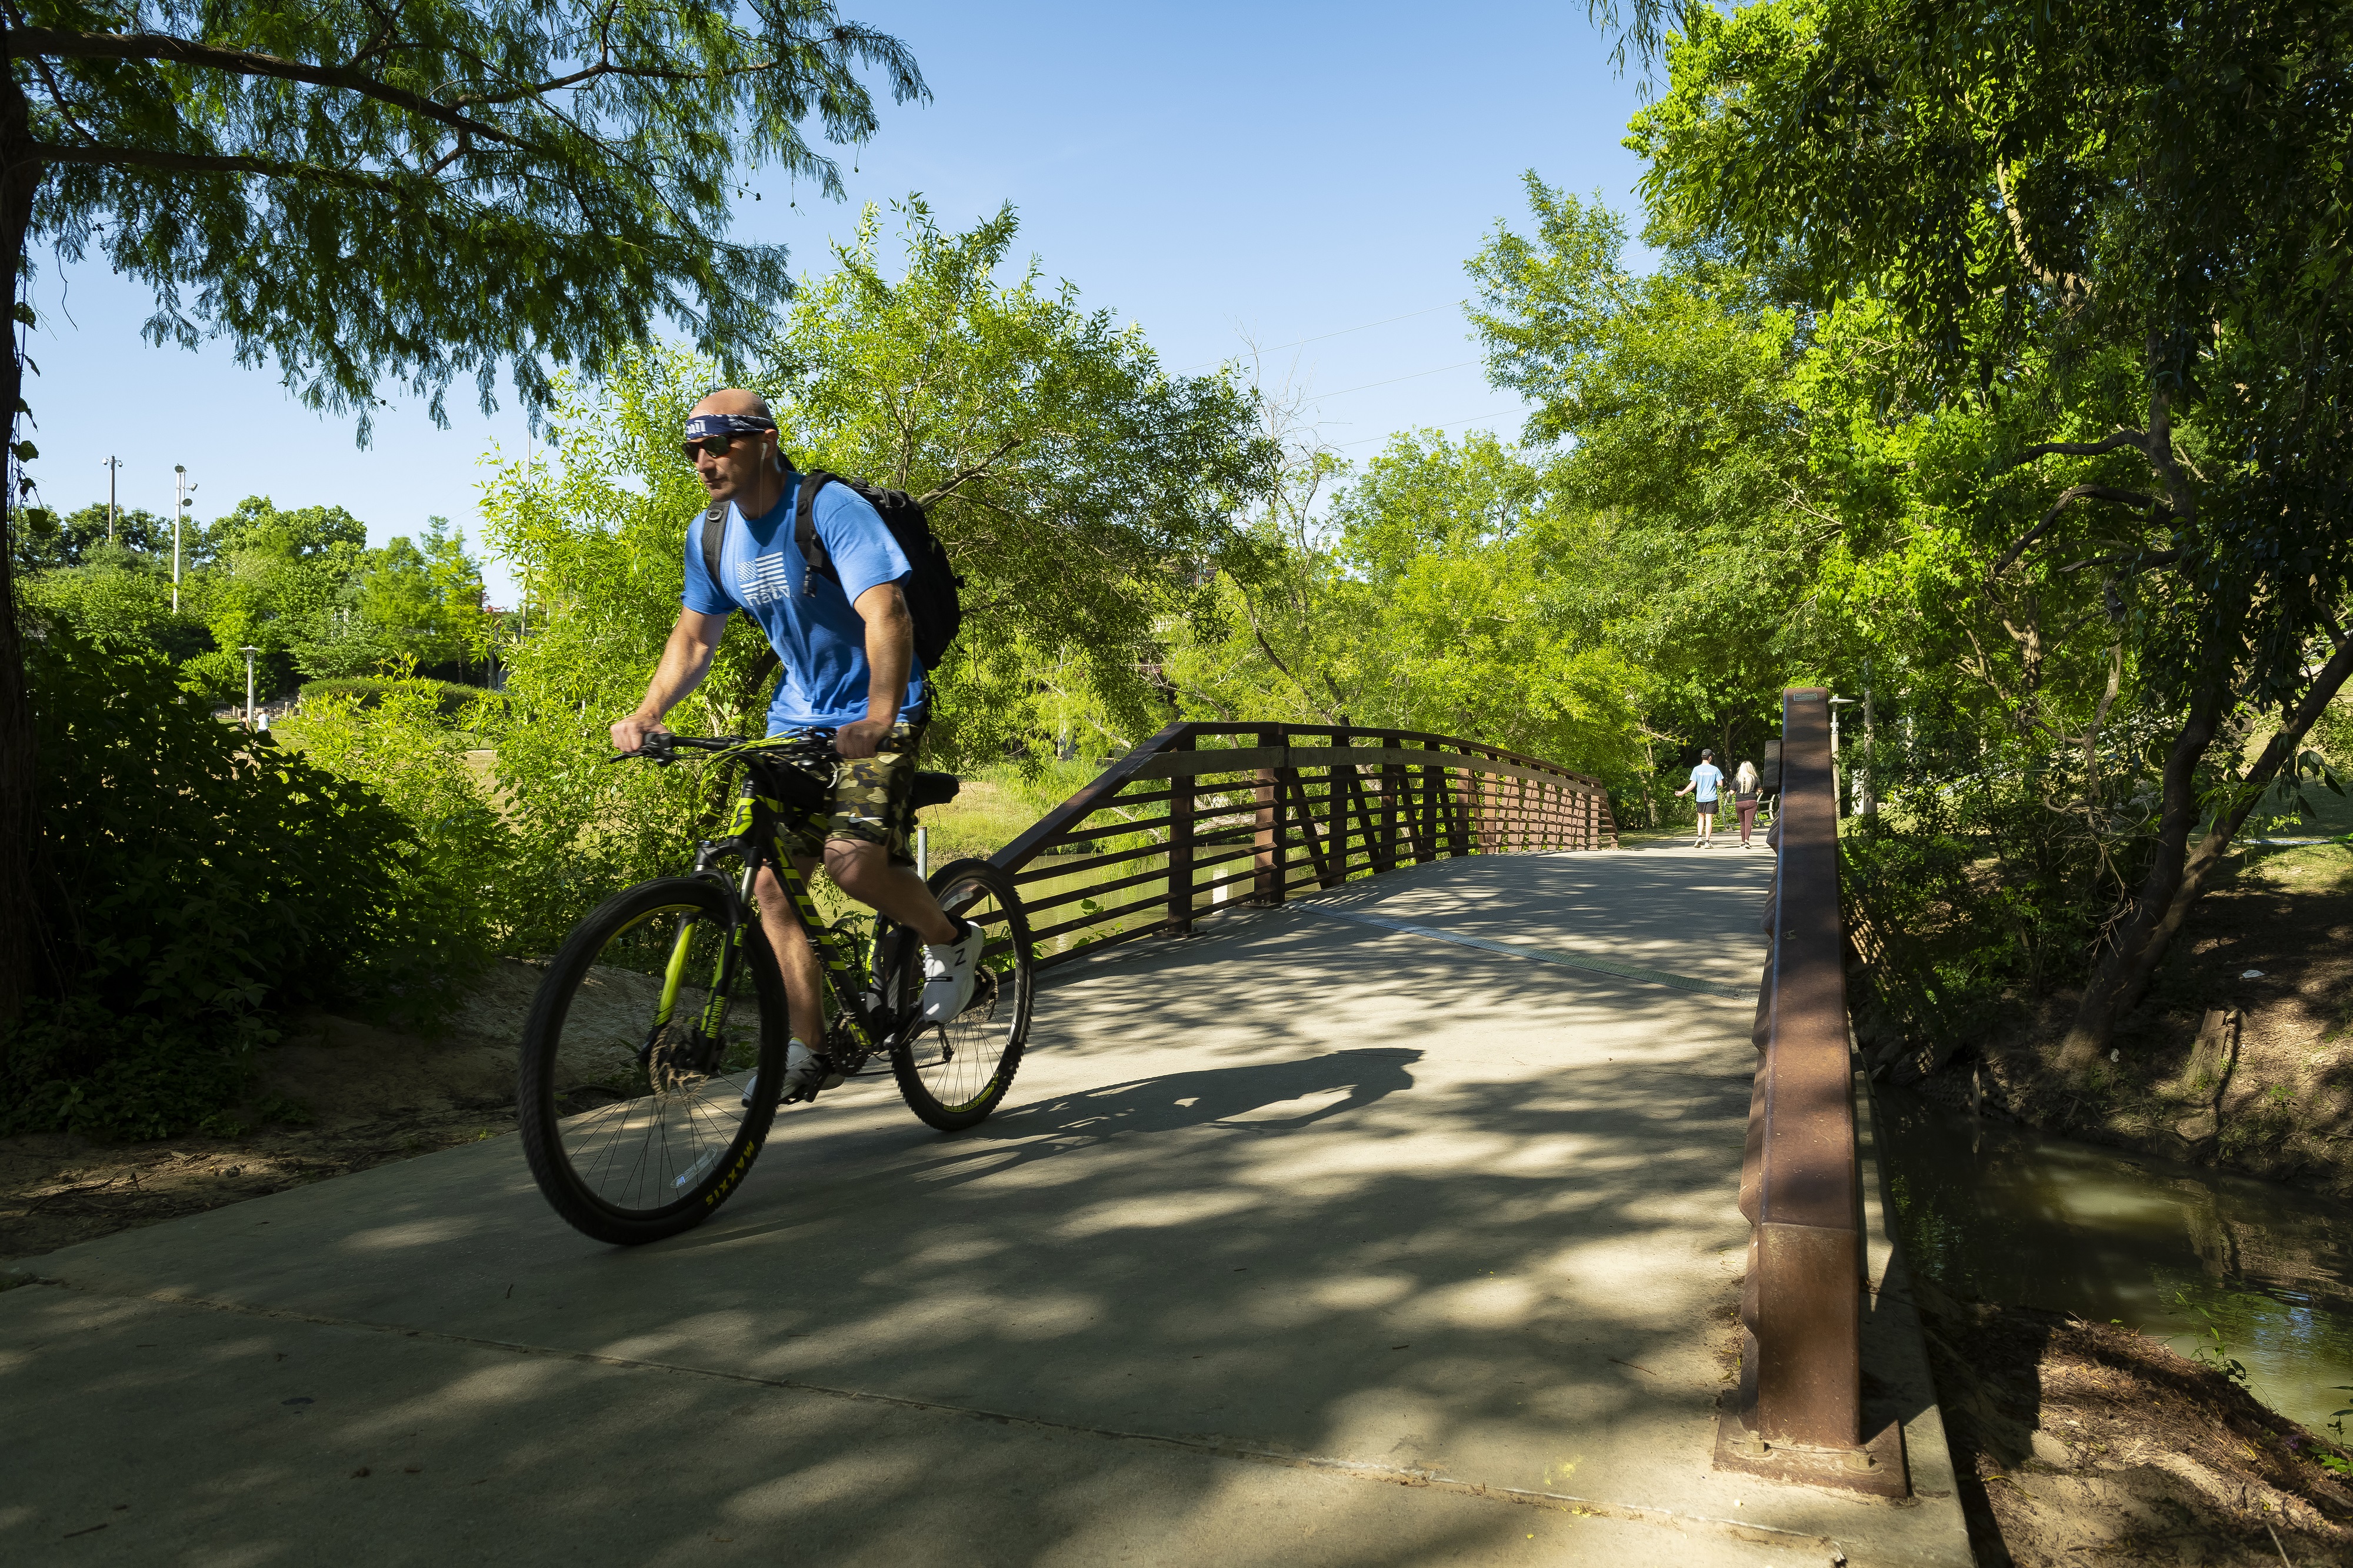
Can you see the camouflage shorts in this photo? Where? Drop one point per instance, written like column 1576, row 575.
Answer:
column 868, row 803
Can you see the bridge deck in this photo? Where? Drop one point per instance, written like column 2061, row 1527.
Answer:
column 1313, row 1241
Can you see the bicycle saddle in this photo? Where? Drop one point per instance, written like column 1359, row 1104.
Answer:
column 935, row 789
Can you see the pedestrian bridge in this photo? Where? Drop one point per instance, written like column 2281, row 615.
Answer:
column 1424, row 1198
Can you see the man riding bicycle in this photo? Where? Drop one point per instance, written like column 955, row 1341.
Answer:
column 847, row 644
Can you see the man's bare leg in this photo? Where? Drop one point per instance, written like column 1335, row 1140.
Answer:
column 795, row 956
column 864, row 871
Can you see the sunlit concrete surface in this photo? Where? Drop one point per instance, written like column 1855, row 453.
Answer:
column 1301, row 1241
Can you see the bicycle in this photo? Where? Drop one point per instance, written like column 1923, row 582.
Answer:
column 653, row 1057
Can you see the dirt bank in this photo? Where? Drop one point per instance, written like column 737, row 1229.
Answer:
column 337, row 1095
column 2079, row 1442
column 2242, row 1056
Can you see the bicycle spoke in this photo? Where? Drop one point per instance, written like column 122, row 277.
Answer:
column 680, row 1105
column 953, row 1075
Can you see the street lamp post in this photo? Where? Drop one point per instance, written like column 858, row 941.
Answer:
column 1838, row 788
column 186, row 493
column 1866, row 799
column 112, row 465
column 249, row 651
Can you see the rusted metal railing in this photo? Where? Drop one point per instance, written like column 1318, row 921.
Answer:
column 1202, row 817
column 1798, row 1412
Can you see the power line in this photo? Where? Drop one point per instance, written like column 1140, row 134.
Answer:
column 1467, row 419
column 1302, row 342
column 1319, row 396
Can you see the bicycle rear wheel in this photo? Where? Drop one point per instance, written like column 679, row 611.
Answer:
column 635, row 1074
column 953, row 1075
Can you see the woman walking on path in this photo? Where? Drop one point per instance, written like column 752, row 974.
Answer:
column 1744, row 798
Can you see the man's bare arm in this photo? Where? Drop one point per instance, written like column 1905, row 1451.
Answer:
column 890, row 659
column 685, row 660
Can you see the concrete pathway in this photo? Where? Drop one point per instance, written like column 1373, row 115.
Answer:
column 1306, row 1241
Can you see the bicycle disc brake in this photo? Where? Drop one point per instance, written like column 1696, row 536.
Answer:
column 678, row 1056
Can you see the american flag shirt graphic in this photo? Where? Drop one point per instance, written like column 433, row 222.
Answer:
column 812, row 624
column 762, row 581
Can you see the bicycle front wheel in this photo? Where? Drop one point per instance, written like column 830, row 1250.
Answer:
column 651, row 1062
column 953, row 1075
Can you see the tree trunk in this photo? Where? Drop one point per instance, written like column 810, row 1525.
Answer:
column 22, row 948
column 2178, row 875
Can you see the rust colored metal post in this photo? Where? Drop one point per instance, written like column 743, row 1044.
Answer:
column 1806, row 1283
column 1461, row 802
column 1266, row 885
column 1179, row 919
column 1339, row 794
column 1392, row 788
column 1424, row 817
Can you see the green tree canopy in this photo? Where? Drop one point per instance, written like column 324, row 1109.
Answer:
column 371, row 197
column 1671, row 398
column 1083, row 492
column 79, row 538
column 442, row 189
column 2110, row 242
column 1084, row 495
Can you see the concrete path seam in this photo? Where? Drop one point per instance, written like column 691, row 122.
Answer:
column 1609, row 966
column 1357, row 1469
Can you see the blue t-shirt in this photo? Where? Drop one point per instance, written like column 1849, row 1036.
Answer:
column 820, row 637
column 1706, row 776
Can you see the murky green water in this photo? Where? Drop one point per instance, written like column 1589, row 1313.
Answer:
column 2001, row 1213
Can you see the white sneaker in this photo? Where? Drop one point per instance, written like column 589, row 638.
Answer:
column 949, row 971
column 802, row 1070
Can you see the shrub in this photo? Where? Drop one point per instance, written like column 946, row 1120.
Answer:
column 214, row 678
column 196, row 881
column 450, row 697
column 451, row 881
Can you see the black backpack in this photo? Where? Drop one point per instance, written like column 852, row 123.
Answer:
column 933, row 602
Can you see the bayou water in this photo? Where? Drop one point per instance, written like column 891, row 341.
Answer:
column 1997, row 1211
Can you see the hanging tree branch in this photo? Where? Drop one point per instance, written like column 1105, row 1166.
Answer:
column 2067, row 497
column 2137, row 440
column 56, row 43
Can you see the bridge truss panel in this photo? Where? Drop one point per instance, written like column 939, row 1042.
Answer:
column 1203, row 818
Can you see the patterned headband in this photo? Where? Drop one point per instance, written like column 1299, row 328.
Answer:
column 703, row 425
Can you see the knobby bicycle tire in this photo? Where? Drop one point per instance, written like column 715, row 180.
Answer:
column 636, row 1126
column 954, row 1076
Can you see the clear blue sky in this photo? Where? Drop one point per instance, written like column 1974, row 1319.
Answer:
column 1210, row 171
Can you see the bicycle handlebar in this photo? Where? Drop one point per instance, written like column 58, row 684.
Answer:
column 661, row 747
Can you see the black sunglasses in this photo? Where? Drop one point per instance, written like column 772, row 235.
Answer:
column 714, row 445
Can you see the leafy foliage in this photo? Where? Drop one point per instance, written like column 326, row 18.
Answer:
column 2085, row 262
column 82, row 538
column 198, row 881
column 451, row 881
column 1446, row 590
column 425, row 192
column 1673, row 401
column 299, row 586
column 1083, row 494
column 449, row 699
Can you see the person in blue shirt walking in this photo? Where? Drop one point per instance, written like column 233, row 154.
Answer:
column 1706, row 779
column 848, row 650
